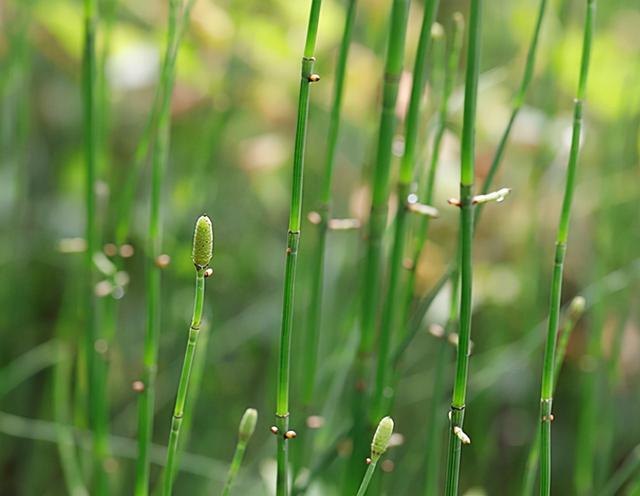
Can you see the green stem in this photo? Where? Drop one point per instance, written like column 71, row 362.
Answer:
column 377, row 224
column 153, row 250
column 235, row 466
column 466, row 239
column 529, row 478
column 98, row 406
column 427, row 188
column 362, row 490
column 546, row 394
column 183, row 386
column 517, row 104
column 293, row 241
column 315, row 299
column 407, row 167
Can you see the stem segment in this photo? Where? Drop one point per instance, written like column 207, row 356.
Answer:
column 153, row 250
column 293, row 241
column 183, row 386
column 407, row 167
column 546, row 393
column 466, row 240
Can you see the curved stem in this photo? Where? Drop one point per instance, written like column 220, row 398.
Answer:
column 183, row 386
column 546, row 393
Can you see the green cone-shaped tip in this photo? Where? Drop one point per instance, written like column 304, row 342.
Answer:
column 248, row 424
column 203, row 242
column 381, row 438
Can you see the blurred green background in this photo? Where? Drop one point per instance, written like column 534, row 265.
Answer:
column 233, row 120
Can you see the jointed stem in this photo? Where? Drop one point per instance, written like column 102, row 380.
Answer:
column 153, row 250
column 183, row 386
column 293, row 241
column 466, row 240
column 364, row 485
column 546, row 394
column 377, row 224
column 404, row 184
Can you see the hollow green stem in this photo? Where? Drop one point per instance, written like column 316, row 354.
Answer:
column 466, row 240
column 293, row 241
column 517, row 104
column 153, row 250
column 546, row 393
column 573, row 315
column 247, row 427
column 376, row 228
column 183, row 386
column 407, row 167
column 315, row 299
column 364, row 485
column 427, row 188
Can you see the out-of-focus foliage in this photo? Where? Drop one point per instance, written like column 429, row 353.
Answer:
column 233, row 124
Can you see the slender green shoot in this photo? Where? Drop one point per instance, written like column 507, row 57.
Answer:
column 378, row 447
column 575, row 311
column 324, row 209
column 518, row 102
column 153, row 251
column 407, row 171
column 245, row 431
column 377, row 224
column 202, row 253
column 548, row 375
column 95, row 360
column 293, row 240
column 427, row 188
column 457, row 437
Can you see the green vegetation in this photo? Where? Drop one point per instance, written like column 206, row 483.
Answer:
column 402, row 292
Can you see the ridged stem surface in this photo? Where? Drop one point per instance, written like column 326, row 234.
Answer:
column 293, row 241
column 466, row 240
column 546, row 393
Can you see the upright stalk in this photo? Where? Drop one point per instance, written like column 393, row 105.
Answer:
column 405, row 180
column 456, row 434
column 94, row 361
column 517, row 103
column 153, row 250
column 293, row 241
column 377, row 224
column 245, row 431
column 324, row 209
column 202, row 253
column 573, row 315
column 546, row 392
column 426, row 189
column 378, row 447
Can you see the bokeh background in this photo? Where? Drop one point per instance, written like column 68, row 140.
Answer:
column 233, row 120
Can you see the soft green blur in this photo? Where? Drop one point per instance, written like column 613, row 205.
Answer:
column 233, row 120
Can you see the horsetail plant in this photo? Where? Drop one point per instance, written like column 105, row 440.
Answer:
column 426, row 189
column 293, row 241
column 153, row 252
column 95, row 360
column 324, row 209
column 377, row 224
column 405, row 180
column 518, row 102
column 548, row 374
column 379, row 445
column 575, row 311
column 457, row 437
column 201, row 255
column 245, row 431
